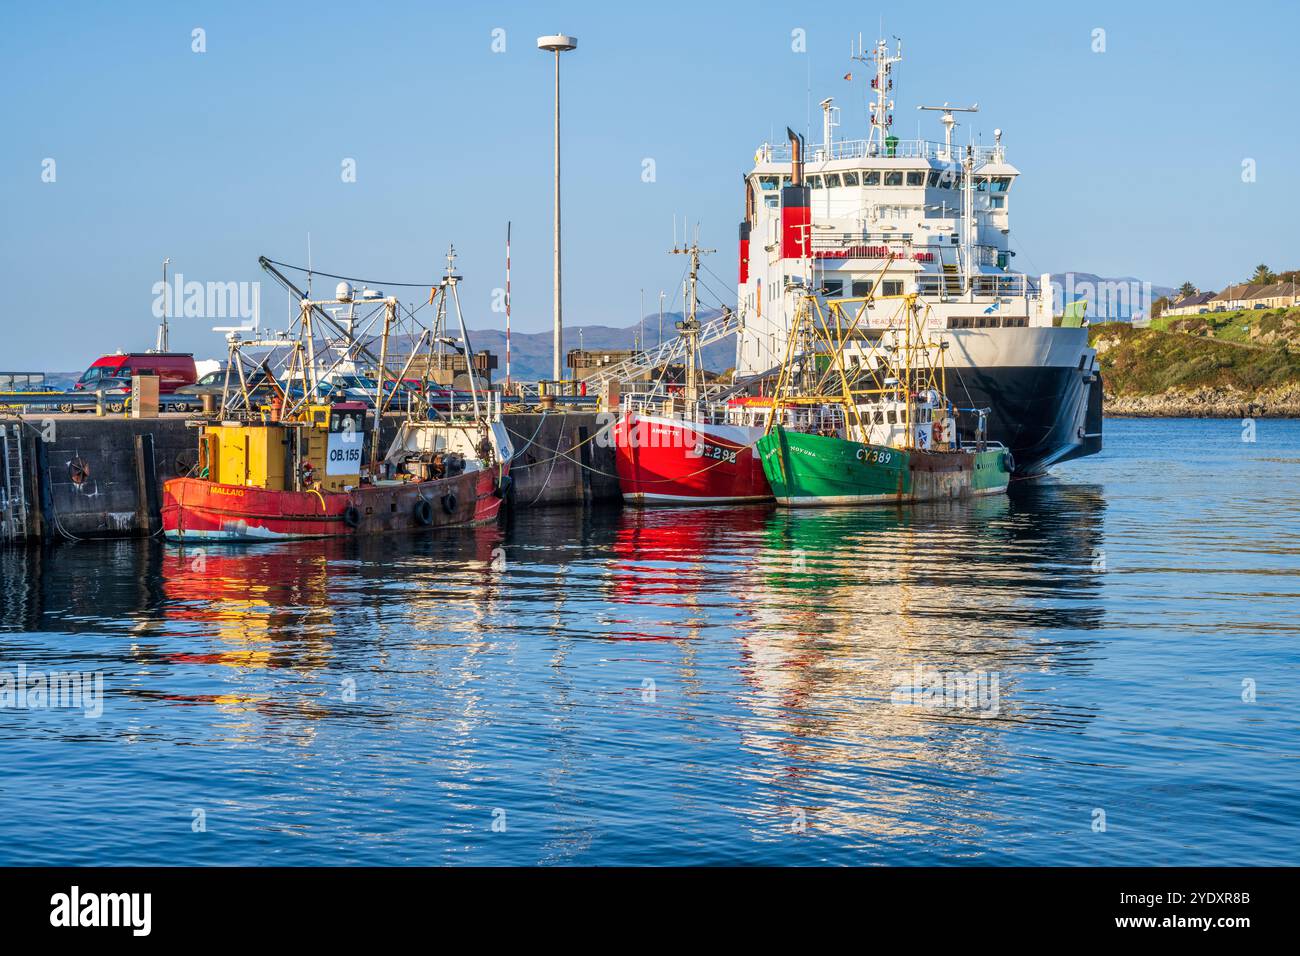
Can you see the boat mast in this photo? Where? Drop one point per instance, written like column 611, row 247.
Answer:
column 164, row 338
column 690, row 326
column 507, row 308
column 451, row 282
column 390, row 310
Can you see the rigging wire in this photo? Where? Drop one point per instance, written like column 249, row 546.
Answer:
column 367, row 282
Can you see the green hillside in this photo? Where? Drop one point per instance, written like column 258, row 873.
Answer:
column 1221, row 363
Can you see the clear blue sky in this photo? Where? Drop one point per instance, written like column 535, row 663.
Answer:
column 1131, row 158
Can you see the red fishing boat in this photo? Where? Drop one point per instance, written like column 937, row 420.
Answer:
column 673, row 446
column 664, row 458
column 269, row 481
column 298, row 468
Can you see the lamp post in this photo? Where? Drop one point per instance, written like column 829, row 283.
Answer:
column 557, row 43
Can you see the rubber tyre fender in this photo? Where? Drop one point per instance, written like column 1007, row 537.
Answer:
column 449, row 502
column 424, row 512
column 352, row 517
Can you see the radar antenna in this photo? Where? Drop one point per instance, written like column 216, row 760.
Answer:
column 949, row 122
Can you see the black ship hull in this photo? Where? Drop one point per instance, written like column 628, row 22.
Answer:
column 1045, row 415
column 1040, row 385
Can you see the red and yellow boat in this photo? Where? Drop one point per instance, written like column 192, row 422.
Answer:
column 259, row 481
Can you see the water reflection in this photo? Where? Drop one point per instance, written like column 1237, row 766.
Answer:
column 836, row 608
column 696, row 686
column 724, row 682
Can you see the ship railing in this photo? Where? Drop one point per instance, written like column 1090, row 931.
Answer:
column 705, row 412
column 850, row 240
column 944, row 285
column 874, row 149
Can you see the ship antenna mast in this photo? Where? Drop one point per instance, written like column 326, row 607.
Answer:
column 880, row 112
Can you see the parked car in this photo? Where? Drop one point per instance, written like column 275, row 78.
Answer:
column 214, row 383
column 174, row 370
column 112, row 375
column 116, row 389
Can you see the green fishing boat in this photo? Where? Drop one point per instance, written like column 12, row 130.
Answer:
column 882, row 431
column 807, row 470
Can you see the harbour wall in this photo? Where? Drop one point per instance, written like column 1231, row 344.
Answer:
column 69, row 477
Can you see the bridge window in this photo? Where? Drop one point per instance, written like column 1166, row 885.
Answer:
column 891, row 287
column 832, row 180
column 1001, row 184
column 998, row 202
column 915, row 178
column 768, row 182
column 893, row 177
column 871, row 177
column 833, row 288
column 861, row 288
column 851, row 179
column 814, row 182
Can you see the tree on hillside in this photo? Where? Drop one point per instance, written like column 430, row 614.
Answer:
column 1263, row 274
column 1186, row 289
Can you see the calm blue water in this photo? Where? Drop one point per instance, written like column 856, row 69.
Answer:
column 693, row 687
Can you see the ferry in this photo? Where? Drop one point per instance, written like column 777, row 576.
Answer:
column 883, row 217
column 863, row 224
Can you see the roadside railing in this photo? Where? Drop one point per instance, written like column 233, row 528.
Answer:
column 86, row 400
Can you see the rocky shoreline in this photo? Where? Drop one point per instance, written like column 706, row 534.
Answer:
column 1207, row 403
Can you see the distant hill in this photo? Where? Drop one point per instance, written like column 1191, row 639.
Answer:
column 530, row 352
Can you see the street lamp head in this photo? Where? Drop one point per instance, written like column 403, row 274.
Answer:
column 557, row 43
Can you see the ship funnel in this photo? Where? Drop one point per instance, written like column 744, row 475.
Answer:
column 796, row 216
column 796, row 157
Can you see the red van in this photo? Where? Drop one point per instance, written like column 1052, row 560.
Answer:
column 174, row 370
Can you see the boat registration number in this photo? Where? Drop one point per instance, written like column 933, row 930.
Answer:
column 715, row 452
column 875, row 456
